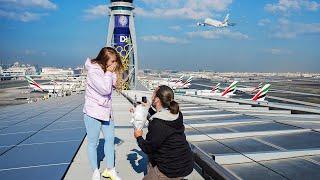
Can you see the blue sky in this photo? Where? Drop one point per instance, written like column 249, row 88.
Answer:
column 270, row 35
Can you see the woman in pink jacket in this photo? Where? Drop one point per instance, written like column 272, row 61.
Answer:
column 104, row 74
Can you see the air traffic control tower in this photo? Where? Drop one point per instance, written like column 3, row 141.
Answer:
column 122, row 36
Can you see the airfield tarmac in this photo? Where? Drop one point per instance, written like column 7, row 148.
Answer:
column 17, row 92
column 302, row 90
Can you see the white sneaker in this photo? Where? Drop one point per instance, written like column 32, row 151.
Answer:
column 111, row 173
column 96, row 175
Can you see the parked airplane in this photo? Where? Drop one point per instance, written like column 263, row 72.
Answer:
column 182, row 85
column 33, row 84
column 176, row 80
column 251, row 90
column 50, row 88
column 178, row 84
column 216, row 88
column 261, row 95
column 257, row 88
column 228, row 91
column 216, row 23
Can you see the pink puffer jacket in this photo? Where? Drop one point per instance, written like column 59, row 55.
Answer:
column 98, row 92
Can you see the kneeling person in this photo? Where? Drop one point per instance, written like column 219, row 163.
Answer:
column 168, row 151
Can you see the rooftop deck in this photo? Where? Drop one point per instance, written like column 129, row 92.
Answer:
column 47, row 140
column 131, row 162
column 230, row 140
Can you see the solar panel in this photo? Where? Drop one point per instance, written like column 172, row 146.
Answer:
column 57, row 135
column 305, row 140
column 39, row 154
column 253, row 170
column 12, row 139
column 49, row 172
column 207, row 130
column 261, row 127
column 250, row 167
column 247, row 145
column 214, row 147
column 41, row 142
column 294, row 168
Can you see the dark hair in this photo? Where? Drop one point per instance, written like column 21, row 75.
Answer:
column 103, row 58
column 166, row 96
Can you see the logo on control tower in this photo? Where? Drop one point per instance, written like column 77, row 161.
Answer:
column 123, row 21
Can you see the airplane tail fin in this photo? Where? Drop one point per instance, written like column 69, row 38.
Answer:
column 257, row 88
column 215, row 88
column 180, row 79
column 226, row 19
column 33, row 82
column 261, row 95
column 188, row 80
column 230, row 88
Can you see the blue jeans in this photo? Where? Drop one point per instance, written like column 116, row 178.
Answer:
column 93, row 127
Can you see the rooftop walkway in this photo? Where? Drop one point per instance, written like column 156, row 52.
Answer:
column 131, row 162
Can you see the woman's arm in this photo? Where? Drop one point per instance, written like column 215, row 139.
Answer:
column 100, row 82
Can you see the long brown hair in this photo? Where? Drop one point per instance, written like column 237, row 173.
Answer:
column 166, row 96
column 103, row 58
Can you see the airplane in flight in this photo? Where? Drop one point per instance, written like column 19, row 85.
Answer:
column 228, row 91
column 216, row 23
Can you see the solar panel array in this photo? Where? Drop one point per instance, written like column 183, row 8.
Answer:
column 39, row 141
column 245, row 142
column 254, row 147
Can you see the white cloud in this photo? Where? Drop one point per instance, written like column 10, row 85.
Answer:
column 184, row 9
column 29, row 52
column 22, row 10
column 175, row 28
column 285, row 6
column 219, row 34
column 96, row 12
column 278, row 51
column 165, row 39
column 183, row 13
column 286, row 29
column 264, row 22
column 23, row 16
column 45, row 4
